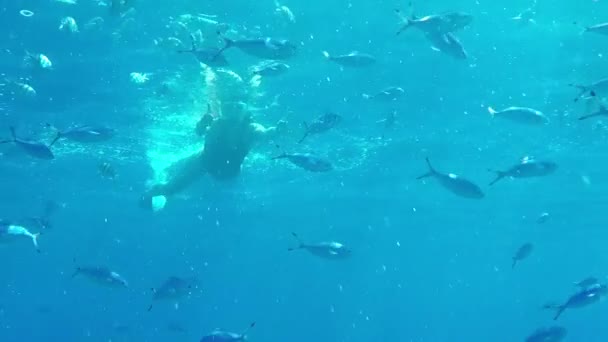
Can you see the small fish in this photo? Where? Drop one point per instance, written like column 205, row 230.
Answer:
column 328, row 250
column 354, row 59
column 522, row 253
column 587, row 282
column 9, row 231
column 583, row 298
column 435, row 24
column 322, row 124
column 551, row 334
column 68, row 24
column 101, row 275
column 32, row 148
column 448, row 44
column 85, row 133
column 599, row 28
column 106, row 170
column 269, row 68
column 307, row 161
column 265, row 48
column 521, row 115
column 174, row 288
column 454, row 183
column 37, row 61
column 225, row 336
column 212, row 57
column 386, row 95
column 529, row 167
column 542, row 218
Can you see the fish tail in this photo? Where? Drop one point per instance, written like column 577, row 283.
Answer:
column 560, row 309
column 57, row 137
column 303, row 138
column 583, row 90
column 492, row 111
column 300, row 244
column 76, row 272
column 585, row 117
column 150, row 307
column 246, row 331
column 499, row 175
column 514, row 263
column 431, row 171
column 35, row 241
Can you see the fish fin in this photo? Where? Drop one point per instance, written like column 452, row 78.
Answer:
column 560, row 310
column 57, row 137
column 35, row 241
column 305, row 134
column 431, row 171
column 499, row 175
column 492, row 111
column 246, row 331
column 150, row 307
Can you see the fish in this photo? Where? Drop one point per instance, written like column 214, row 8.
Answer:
column 101, row 275
column 354, row 59
column 265, row 48
column 174, row 288
column 587, row 282
column 106, row 170
column 85, row 133
column 437, row 23
column 583, row 298
column 8, row 231
column 212, row 57
column 322, row 124
column 454, row 183
column 529, row 167
column 332, row 250
column 599, row 28
column 269, row 68
column 205, row 121
column 550, row 334
column 218, row 335
column 523, row 115
column 522, row 253
column 307, row 161
column 542, row 218
column 32, row 148
column 68, row 24
column 599, row 87
column 386, row 94
column 448, row 44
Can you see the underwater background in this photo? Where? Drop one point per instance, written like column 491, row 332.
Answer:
column 426, row 265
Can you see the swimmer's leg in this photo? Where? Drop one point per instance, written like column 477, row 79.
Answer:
column 180, row 176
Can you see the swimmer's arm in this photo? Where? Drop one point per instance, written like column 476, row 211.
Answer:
column 262, row 133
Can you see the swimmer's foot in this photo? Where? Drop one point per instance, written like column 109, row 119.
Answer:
column 154, row 203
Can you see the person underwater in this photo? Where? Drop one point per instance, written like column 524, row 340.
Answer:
column 229, row 138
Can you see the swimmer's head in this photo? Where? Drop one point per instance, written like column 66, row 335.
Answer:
column 228, row 93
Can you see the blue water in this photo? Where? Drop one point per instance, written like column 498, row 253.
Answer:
column 427, row 265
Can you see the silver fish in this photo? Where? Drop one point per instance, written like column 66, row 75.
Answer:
column 32, row 148
column 269, row 68
column 225, row 336
column 174, row 288
column 8, row 231
column 529, row 167
column 328, row 249
column 448, row 44
column 436, row 24
column 354, row 59
column 101, row 275
column 387, row 94
column 551, row 334
column 583, row 298
column 266, row 48
column 522, row 253
column 523, row 115
column 599, row 87
column 454, row 183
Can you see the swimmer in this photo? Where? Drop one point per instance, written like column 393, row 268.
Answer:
column 228, row 140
